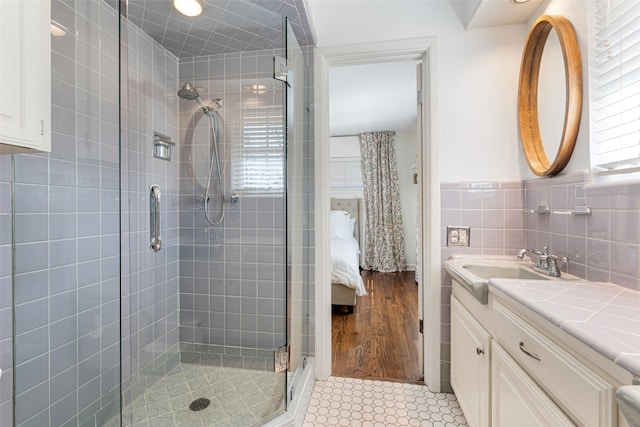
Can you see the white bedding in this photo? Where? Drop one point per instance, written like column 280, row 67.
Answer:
column 345, row 266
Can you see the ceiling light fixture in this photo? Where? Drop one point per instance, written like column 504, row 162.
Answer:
column 189, row 7
column 257, row 89
column 519, row 1
column 58, row 30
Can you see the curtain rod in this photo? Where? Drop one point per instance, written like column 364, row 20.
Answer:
column 393, row 132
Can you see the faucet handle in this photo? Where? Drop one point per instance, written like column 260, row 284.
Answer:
column 558, row 258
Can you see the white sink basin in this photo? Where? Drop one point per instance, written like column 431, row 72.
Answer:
column 503, row 272
column 629, row 401
column 474, row 272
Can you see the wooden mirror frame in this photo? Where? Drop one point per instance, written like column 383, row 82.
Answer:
column 528, row 94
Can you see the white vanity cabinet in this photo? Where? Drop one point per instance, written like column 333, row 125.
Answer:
column 25, row 76
column 470, row 365
column 509, row 368
column 517, row 399
column 586, row 396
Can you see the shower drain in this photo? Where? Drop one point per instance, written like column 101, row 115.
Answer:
column 199, row 404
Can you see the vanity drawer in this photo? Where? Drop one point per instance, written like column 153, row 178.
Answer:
column 588, row 398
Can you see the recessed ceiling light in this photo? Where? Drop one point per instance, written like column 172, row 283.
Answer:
column 519, row 1
column 58, row 30
column 257, row 89
column 189, row 7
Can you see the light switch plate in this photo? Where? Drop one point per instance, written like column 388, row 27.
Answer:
column 458, row 235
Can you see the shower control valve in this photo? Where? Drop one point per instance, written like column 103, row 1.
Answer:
column 203, row 198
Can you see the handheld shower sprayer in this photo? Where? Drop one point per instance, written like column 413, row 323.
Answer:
column 188, row 92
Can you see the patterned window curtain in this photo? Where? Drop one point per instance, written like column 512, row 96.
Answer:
column 384, row 234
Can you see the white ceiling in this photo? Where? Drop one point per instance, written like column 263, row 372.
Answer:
column 492, row 13
column 372, row 97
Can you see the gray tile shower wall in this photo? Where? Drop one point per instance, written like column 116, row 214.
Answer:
column 494, row 212
column 67, row 225
column 232, row 276
column 66, row 235
column 602, row 246
column 149, row 279
column 6, row 312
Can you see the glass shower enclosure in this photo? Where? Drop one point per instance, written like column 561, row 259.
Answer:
column 161, row 270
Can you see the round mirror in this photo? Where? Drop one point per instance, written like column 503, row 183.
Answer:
column 565, row 95
column 552, row 97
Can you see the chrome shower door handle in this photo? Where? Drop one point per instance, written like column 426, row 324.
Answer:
column 154, row 217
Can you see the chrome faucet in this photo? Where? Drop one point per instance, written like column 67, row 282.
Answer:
column 545, row 262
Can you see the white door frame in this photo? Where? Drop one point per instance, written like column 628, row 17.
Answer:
column 424, row 49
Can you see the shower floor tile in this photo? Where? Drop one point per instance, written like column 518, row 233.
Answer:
column 239, row 397
column 355, row 402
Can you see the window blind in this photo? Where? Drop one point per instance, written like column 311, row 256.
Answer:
column 615, row 86
column 345, row 173
column 259, row 155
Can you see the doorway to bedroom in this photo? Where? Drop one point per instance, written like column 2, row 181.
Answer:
column 374, row 162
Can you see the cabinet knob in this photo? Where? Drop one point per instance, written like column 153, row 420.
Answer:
column 479, row 351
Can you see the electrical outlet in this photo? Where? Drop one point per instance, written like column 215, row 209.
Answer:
column 458, row 235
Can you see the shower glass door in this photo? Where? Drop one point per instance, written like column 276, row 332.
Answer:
column 204, row 125
column 298, row 215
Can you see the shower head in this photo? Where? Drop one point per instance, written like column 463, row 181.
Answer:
column 188, row 92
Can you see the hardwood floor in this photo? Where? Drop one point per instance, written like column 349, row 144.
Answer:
column 379, row 340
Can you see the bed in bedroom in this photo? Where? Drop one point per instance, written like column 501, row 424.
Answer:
column 346, row 240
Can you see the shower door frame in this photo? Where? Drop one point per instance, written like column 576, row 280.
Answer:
column 295, row 226
column 130, row 186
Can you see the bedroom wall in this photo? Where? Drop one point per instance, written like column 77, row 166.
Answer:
column 406, row 155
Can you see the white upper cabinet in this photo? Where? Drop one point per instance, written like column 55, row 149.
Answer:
column 25, row 75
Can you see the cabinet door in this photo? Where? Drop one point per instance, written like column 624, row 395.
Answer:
column 25, row 75
column 470, row 365
column 517, row 399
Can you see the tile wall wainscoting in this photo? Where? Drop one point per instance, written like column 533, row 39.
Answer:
column 601, row 247
column 494, row 212
column 503, row 217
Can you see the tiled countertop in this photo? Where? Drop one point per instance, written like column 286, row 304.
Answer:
column 604, row 316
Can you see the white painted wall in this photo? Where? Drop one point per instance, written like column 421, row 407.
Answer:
column 576, row 12
column 477, row 71
column 406, row 143
column 478, row 114
column 345, row 146
column 372, row 97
